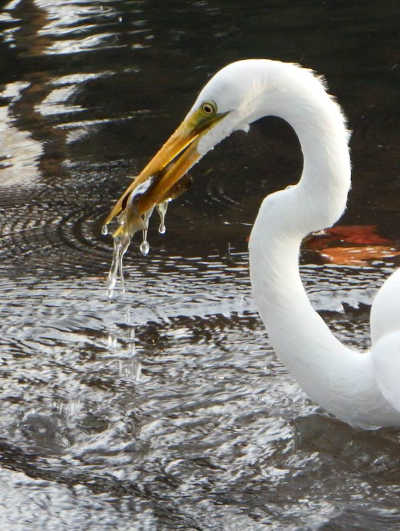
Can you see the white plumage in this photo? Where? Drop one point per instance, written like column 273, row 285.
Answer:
column 361, row 388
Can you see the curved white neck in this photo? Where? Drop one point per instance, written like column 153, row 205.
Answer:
column 315, row 203
column 328, row 371
column 340, row 380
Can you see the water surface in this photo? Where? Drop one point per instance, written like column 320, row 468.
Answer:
column 166, row 407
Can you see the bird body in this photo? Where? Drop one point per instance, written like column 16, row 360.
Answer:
column 341, row 380
column 361, row 388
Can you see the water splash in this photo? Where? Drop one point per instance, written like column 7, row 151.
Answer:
column 130, row 368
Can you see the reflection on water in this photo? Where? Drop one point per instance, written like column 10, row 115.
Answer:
column 20, row 154
column 165, row 407
column 175, row 392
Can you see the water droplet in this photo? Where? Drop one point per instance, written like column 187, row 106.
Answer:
column 104, row 230
column 121, row 244
column 131, row 368
column 112, row 342
column 144, row 247
column 137, row 370
column 146, row 218
column 162, row 211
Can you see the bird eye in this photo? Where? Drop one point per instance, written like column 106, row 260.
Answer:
column 209, row 108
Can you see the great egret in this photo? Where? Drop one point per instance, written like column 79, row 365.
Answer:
column 361, row 388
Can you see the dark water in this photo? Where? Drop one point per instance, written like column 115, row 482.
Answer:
column 166, row 408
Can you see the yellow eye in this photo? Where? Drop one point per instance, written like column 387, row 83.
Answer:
column 209, row 108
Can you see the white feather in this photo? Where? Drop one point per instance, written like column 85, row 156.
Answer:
column 358, row 387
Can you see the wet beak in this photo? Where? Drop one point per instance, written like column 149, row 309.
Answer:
column 166, row 168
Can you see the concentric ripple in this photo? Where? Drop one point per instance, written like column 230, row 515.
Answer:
column 165, row 407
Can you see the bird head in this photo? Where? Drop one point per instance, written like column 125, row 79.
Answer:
column 219, row 109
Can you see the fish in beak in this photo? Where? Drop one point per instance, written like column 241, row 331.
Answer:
column 164, row 178
column 159, row 180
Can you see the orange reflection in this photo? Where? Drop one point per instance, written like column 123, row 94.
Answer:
column 352, row 245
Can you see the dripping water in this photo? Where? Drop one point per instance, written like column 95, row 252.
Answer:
column 162, row 211
column 121, row 244
column 145, row 246
column 130, row 222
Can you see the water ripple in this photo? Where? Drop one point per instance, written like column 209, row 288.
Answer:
column 166, row 407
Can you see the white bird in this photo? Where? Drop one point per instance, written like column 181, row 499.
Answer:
column 360, row 388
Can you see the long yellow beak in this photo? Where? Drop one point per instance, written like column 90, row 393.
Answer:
column 168, row 166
